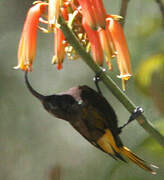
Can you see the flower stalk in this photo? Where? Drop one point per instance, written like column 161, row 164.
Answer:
column 123, row 10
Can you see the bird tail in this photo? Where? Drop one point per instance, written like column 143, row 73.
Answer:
column 134, row 158
column 115, row 148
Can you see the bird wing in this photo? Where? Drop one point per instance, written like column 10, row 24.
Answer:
column 94, row 116
column 100, row 104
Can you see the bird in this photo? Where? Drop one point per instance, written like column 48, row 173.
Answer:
column 93, row 117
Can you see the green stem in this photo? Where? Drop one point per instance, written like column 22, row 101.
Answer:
column 110, row 84
column 123, row 10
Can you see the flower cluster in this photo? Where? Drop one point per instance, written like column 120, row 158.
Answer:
column 97, row 31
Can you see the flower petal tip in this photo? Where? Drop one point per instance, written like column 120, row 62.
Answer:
column 125, row 76
column 55, row 61
column 23, row 68
column 59, row 66
column 16, row 67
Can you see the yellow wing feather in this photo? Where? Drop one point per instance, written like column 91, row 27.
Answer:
column 108, row 144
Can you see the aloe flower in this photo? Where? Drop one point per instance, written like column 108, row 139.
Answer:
column 123, row 57
column 88, row 12
column 99, row 12
column 105, row 44
column 94, row 40
column 94, row 13
column 53, row 12
column 91, row 25
column 27, row 43
column 59, row 41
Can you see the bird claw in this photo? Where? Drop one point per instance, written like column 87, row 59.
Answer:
column 97, row 79
column 135, row 114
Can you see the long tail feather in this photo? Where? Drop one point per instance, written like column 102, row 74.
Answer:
column 108, row 143
column 141, row 163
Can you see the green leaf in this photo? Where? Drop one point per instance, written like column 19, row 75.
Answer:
column 157, row 89
column 145, row 72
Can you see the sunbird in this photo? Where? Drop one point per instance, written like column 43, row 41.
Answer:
column 93, row 117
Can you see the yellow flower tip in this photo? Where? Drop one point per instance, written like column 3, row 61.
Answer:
column 16, row 67
column 126, row 77
column 116, row 17
column 51, row 25
column 55, row 60
column 53, row 13
column 36, row 2
column 115, row 53
column 23, row 67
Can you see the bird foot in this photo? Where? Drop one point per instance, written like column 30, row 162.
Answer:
column 97, row 79
column 136, row 113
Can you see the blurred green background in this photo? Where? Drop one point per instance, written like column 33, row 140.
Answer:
column 33, row 144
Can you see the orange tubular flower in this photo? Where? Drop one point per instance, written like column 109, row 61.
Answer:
column 94, row 40
column 94, row 13
column 100, row 13
column 105, row 43
column 59, row 48
column 27, row 43
column 123, row 57
column 60, row 42
column 88, row 13
column 53, row 12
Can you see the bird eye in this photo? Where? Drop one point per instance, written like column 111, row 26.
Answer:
column 80, row 102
